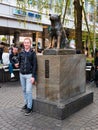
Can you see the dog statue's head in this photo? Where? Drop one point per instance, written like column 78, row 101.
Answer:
column 55, row 17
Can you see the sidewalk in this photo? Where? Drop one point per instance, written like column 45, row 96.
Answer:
column 11, row 118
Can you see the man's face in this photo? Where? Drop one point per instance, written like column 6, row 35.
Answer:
column 27, row 44
column 15, row 50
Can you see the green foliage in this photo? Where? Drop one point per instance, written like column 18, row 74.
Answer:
column 42, row 4
column 4, row 39
column 90, row 60
column 59, row 6
column 91, row 1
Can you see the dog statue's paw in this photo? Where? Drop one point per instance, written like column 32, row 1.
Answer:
column 58, row 47
column 49, row 47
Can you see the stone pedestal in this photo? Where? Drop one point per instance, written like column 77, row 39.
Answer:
column 61, row 88
column 59, row 51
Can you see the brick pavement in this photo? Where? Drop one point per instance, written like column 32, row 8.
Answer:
column 11, row 118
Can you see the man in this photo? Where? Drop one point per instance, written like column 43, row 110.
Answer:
column 1, row 52
column 96, row 68
column 13, row 57
column 28, row 70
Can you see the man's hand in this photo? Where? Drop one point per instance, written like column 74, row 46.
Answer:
column 32, row 80
column 16, row 65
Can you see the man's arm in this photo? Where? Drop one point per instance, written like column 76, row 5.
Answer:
column 34, row 61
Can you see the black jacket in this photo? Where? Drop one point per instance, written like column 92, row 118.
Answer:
column 96, row 62
column 13, row 59
column 28, row 63
column 1, row 52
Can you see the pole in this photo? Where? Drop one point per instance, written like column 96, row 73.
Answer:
column 36, row 41
column 94, row 27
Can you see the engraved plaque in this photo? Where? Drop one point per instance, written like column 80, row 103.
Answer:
column 46, row 68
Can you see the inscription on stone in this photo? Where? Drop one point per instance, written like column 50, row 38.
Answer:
column 46, row 68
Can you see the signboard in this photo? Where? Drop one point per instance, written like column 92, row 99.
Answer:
column 34, row 15
column 19, row 12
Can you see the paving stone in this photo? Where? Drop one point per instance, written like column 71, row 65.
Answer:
column 11, row 118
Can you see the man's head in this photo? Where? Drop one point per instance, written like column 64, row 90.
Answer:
column 27, row 43
column 15, row 50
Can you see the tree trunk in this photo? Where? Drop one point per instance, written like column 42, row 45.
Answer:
column 65, row 11
column 78, row 25
column 89, row 35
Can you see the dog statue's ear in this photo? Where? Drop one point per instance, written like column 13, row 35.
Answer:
column 49, row 14
column 59, row 16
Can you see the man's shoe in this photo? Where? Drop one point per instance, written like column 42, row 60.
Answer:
column 12, row 75
column 24, row 108
column 28, row 112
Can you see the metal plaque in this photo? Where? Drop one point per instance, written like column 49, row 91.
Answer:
column 46, row 68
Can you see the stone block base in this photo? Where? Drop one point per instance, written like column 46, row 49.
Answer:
column 59, row 51
column 63, row 110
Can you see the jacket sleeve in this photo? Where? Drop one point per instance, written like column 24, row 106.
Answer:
column 34, row 69
column 10, row 58
column 19, row 58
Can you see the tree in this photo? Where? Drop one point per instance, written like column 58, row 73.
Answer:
column 78, row 25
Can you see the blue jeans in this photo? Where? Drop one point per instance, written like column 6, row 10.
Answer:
column 1, row 61
column 27, row 89
column 10, row 68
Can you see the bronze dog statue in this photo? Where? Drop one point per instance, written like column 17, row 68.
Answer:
column 58, row 36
